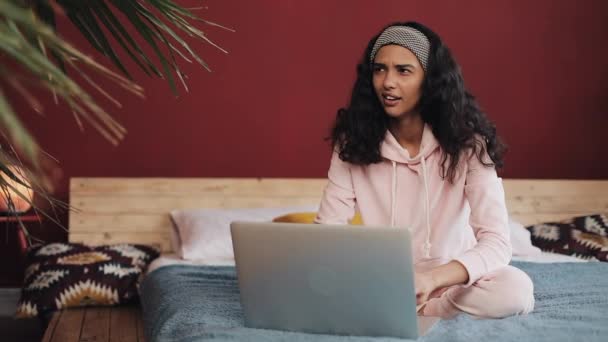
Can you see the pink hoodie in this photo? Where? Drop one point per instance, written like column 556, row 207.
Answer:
column 465, row 221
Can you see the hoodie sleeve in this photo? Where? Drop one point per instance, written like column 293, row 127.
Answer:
column 489, row 220
column 338, row 202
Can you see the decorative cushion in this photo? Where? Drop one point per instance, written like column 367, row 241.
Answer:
column 309, row 217
column 63, row 275
column 584, row 237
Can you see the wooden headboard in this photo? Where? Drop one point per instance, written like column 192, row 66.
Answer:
column 116, row 210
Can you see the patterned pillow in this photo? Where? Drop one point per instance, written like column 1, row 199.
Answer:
column 584, row 237
column 63, row 275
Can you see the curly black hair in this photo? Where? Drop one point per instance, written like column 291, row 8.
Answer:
column 445, row 105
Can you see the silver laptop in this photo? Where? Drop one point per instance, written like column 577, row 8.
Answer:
column 329, row 279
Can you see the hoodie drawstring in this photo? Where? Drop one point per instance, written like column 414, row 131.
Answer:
column 394, row 194
column 427, row 244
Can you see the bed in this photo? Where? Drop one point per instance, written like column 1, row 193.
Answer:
column 187, row 301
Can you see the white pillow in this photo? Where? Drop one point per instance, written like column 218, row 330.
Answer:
column 521, row 241
column 205, row 233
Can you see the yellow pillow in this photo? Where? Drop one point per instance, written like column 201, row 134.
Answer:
column 309, row 217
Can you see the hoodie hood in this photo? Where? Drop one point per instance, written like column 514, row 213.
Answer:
column 393, row 151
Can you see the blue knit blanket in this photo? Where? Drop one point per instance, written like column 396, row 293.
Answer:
column 199, row 303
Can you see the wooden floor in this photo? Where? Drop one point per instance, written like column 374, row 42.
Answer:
column 120, row 323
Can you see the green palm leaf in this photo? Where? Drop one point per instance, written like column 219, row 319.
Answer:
column 28, row 38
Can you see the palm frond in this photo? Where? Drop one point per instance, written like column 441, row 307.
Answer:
column 28, row 38
column 145, row 16
column 15, row 46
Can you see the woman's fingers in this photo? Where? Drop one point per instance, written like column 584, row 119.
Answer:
column 421, row 298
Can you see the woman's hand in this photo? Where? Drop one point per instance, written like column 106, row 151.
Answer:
column 435, row 279
column 425, row 284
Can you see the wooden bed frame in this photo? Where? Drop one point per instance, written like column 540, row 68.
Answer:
column 119, row 210
column 114, row 210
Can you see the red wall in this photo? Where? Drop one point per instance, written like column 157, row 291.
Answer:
column 537, row 67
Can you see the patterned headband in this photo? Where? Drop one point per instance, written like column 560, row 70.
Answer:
column 405, row 36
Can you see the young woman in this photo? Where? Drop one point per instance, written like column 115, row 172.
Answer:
column 413, row 149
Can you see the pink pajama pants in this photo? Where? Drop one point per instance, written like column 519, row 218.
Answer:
column 501, row 293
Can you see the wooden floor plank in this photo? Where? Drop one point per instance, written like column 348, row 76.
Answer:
column 68, row 326
column 96, row 325
column 123, row 324
column 50, row 329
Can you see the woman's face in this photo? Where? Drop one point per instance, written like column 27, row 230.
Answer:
column 397, row 78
